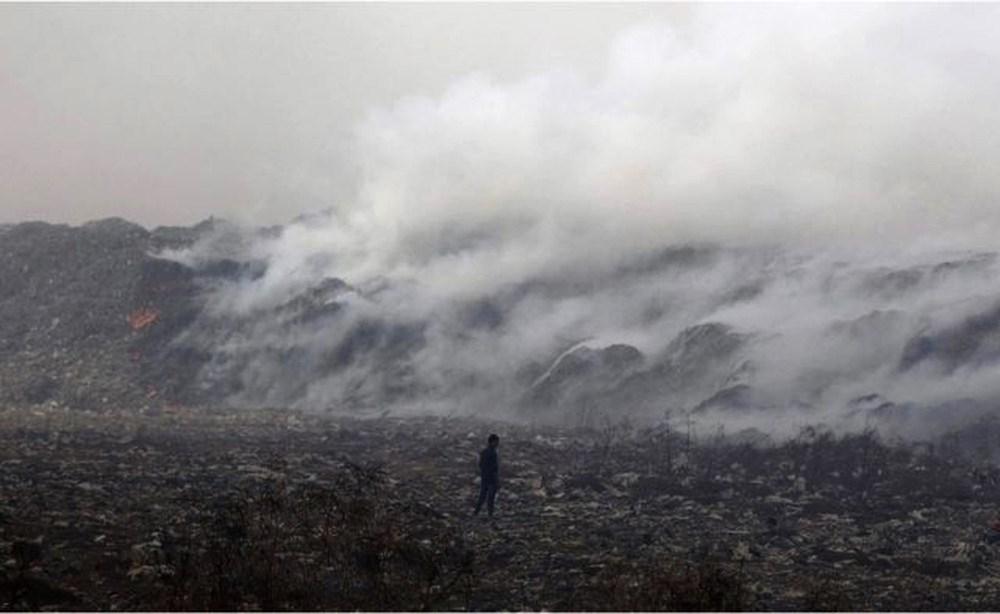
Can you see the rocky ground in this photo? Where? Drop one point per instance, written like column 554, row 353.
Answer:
column 200, row 509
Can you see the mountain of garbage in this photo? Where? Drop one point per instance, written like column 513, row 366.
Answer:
column 112, row 315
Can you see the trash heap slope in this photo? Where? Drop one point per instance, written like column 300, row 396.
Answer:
column 86, row 312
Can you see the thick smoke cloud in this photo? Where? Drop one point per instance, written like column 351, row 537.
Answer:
column 784, row 126
column 789, row 126
column 819, row 183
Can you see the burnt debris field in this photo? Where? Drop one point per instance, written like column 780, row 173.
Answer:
column 210, row 509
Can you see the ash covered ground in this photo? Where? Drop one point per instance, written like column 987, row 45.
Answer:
column 196, row 509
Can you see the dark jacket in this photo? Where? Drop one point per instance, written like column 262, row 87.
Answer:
column 489, row 465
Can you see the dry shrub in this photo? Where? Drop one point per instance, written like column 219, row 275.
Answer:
column 342, row 546
column 706, row 586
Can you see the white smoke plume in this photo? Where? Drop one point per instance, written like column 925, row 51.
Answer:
column 818, row 180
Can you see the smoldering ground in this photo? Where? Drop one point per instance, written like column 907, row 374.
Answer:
column 771, row 215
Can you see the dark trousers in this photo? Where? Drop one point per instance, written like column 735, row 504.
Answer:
column 488, row 494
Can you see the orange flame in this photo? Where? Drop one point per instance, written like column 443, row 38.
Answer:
column 141, row 318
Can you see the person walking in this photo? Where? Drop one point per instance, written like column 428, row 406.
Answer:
column 489, row 474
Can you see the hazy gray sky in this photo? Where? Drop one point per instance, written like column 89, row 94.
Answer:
column 165, row 114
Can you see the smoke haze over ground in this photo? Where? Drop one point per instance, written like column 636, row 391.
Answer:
column 772, row 214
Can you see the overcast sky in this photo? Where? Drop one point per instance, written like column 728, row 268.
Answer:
column 701, row 122
column 165, row 114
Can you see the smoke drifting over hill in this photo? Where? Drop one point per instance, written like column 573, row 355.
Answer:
column 792, row 125
column 765, row 216
column 787, row 209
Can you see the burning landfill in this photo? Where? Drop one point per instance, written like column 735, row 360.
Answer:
column 110, row 315
column 725, row 286
column 174, row 437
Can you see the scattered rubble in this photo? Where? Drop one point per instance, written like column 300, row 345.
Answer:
column 214, row 509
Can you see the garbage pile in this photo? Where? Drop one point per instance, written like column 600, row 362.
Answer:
column 86, row 313
column 101, row 317
column 110, row 315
